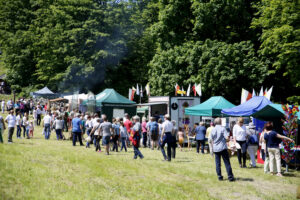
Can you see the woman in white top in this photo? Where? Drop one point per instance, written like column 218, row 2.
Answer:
column 25, row 124
column 240, row 137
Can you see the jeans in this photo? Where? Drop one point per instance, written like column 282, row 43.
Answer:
column 274, row 156
column 252, row 149
column 137, row 153
column 59, row 134
column 19, row 130
column 75, row 136
column 123, row 140
column 39, row 118
column 115, row 143
column 167, row 139
column 24, row 130
column 202, row 142
column 88, row 134
column 145, row 139
column 27, row 133
column 241, row 153
column 225, row 156
column 263, row 155
column 47, row 131
column 98, row 138
column 10, row 133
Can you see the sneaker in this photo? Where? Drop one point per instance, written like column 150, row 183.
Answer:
column 231, row 180
column 279, row 174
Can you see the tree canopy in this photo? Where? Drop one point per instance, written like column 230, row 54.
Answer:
column 88, row 45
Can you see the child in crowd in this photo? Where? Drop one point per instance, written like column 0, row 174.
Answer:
column 180, row 138
column 231, row 146
column 31, row 129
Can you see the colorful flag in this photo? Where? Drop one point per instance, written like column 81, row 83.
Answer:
column 147, row 89
column 132, row 93
column 137, row 90
column 198, row 89
column 177, row 88
column 194, row 89
column 188, row 90
column 265, row 92
column 269, row 92
column 141, row 91
column 253, row 93
column 246, row 95
column 261, row 93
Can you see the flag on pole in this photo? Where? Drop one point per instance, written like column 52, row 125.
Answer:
column 194, row 89
column 269, row 92
column 141, row 91
column 244, row 95
column 253, row 93
column 129, row 94
column 177, row 88
column 182, row 91
column 198, row 89
column 265, row 92
column 147, row 89
column 132, row 93
column 137, row 90
column 261, row 93
column 188, row 90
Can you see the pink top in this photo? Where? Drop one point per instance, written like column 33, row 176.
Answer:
column 144, row 127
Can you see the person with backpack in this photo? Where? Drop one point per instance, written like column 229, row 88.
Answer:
column 136, row 137
column 252, row 143
column 153, row 128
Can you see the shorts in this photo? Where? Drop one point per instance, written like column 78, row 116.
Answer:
column 154, row 136
column 181, row 140
column 106, row 140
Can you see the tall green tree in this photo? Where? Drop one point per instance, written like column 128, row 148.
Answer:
column 279, row 22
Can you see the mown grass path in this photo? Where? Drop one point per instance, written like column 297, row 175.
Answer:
column 40, row 169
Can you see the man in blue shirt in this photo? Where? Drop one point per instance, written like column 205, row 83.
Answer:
column 200, row 137
column 218, row 139
column 77, row 129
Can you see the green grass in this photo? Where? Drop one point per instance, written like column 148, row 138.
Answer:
column 39, row 169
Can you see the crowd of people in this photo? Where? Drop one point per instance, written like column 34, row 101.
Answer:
column 154, row 134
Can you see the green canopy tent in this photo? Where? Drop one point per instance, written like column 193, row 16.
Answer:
column 210, row 108
column 113, row 104
column 271, row 112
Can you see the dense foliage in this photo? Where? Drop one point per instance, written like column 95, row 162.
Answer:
column 92, row 44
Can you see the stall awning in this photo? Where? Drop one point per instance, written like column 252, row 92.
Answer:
column 211, row 107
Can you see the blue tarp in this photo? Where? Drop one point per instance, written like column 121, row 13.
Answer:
column 248, row 108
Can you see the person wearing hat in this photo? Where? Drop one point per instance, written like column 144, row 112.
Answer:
column 252, row 143
column 77, row 129
column 166, row 137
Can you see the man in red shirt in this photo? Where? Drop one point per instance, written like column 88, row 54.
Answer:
column 127, row 123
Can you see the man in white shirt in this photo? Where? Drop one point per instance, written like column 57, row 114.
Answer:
column 166, row 137
column 47, row 124
column 11, row 123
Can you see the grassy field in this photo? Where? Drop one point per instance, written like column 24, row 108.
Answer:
column 39, row 169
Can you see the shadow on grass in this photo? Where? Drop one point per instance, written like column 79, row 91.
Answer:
column 245, row 179
column 288, row 174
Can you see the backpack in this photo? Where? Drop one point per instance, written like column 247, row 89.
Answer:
column 154, row 127
column 253, row 139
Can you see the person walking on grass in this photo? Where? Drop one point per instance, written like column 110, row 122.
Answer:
column 116, row 134
column 240, row 137
column 106, row 130
column 153, row 129
column 77, row 129
column 47, row 122
column 144, row 130
column 18, row 124
column 252, row 143
column 95, row 133
column 208, row 132
column 26, row 125
column 218, row 138
column 273, row 140
column 58, row 125
column 200, row 132
column 11, row 123
column 123, row 133
column 263, row 151
column 38, row 115
column 136, row 137
column 166, row 138
column 2, row 128
column 174, row 138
